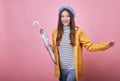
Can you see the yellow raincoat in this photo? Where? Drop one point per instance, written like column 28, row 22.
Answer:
column 81, row 41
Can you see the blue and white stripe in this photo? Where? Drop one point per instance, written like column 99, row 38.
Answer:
column 66, row 51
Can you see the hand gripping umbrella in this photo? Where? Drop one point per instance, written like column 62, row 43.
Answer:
column 45, row 40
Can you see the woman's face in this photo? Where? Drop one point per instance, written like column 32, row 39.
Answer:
column 65, row 18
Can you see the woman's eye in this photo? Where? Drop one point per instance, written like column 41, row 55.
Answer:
column 62, row 16
column 67, row 16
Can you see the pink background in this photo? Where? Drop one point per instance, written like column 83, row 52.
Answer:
column 23, row 56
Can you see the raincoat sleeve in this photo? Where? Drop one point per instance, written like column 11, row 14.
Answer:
column 53, row 40
column 89, row 45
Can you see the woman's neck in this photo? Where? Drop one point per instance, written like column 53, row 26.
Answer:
column 66, row 27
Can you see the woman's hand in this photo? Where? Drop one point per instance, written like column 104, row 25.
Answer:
column 50, row 45
column 111, row 44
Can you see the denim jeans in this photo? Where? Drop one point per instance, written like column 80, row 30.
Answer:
column 67, row 75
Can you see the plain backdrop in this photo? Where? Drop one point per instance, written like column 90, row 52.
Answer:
column 23, row 56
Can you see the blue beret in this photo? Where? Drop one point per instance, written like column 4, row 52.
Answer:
column 68, row 8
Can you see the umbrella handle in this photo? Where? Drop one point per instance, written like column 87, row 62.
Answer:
column 35, row 22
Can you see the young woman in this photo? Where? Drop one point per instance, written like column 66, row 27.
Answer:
column 67, row 43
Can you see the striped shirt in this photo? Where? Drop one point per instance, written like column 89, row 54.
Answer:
column 66, row 50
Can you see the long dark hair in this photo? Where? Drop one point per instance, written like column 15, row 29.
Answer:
column 60, row 29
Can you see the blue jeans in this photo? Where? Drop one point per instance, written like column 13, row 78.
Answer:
column 67, row 75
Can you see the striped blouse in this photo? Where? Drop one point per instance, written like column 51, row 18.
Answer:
column 66, row 50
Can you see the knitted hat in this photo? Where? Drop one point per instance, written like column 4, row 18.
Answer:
column 68, row 8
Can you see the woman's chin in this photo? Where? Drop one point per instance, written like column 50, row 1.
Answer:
column 65, row 24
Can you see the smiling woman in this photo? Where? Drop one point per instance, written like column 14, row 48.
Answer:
column 67, row 42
